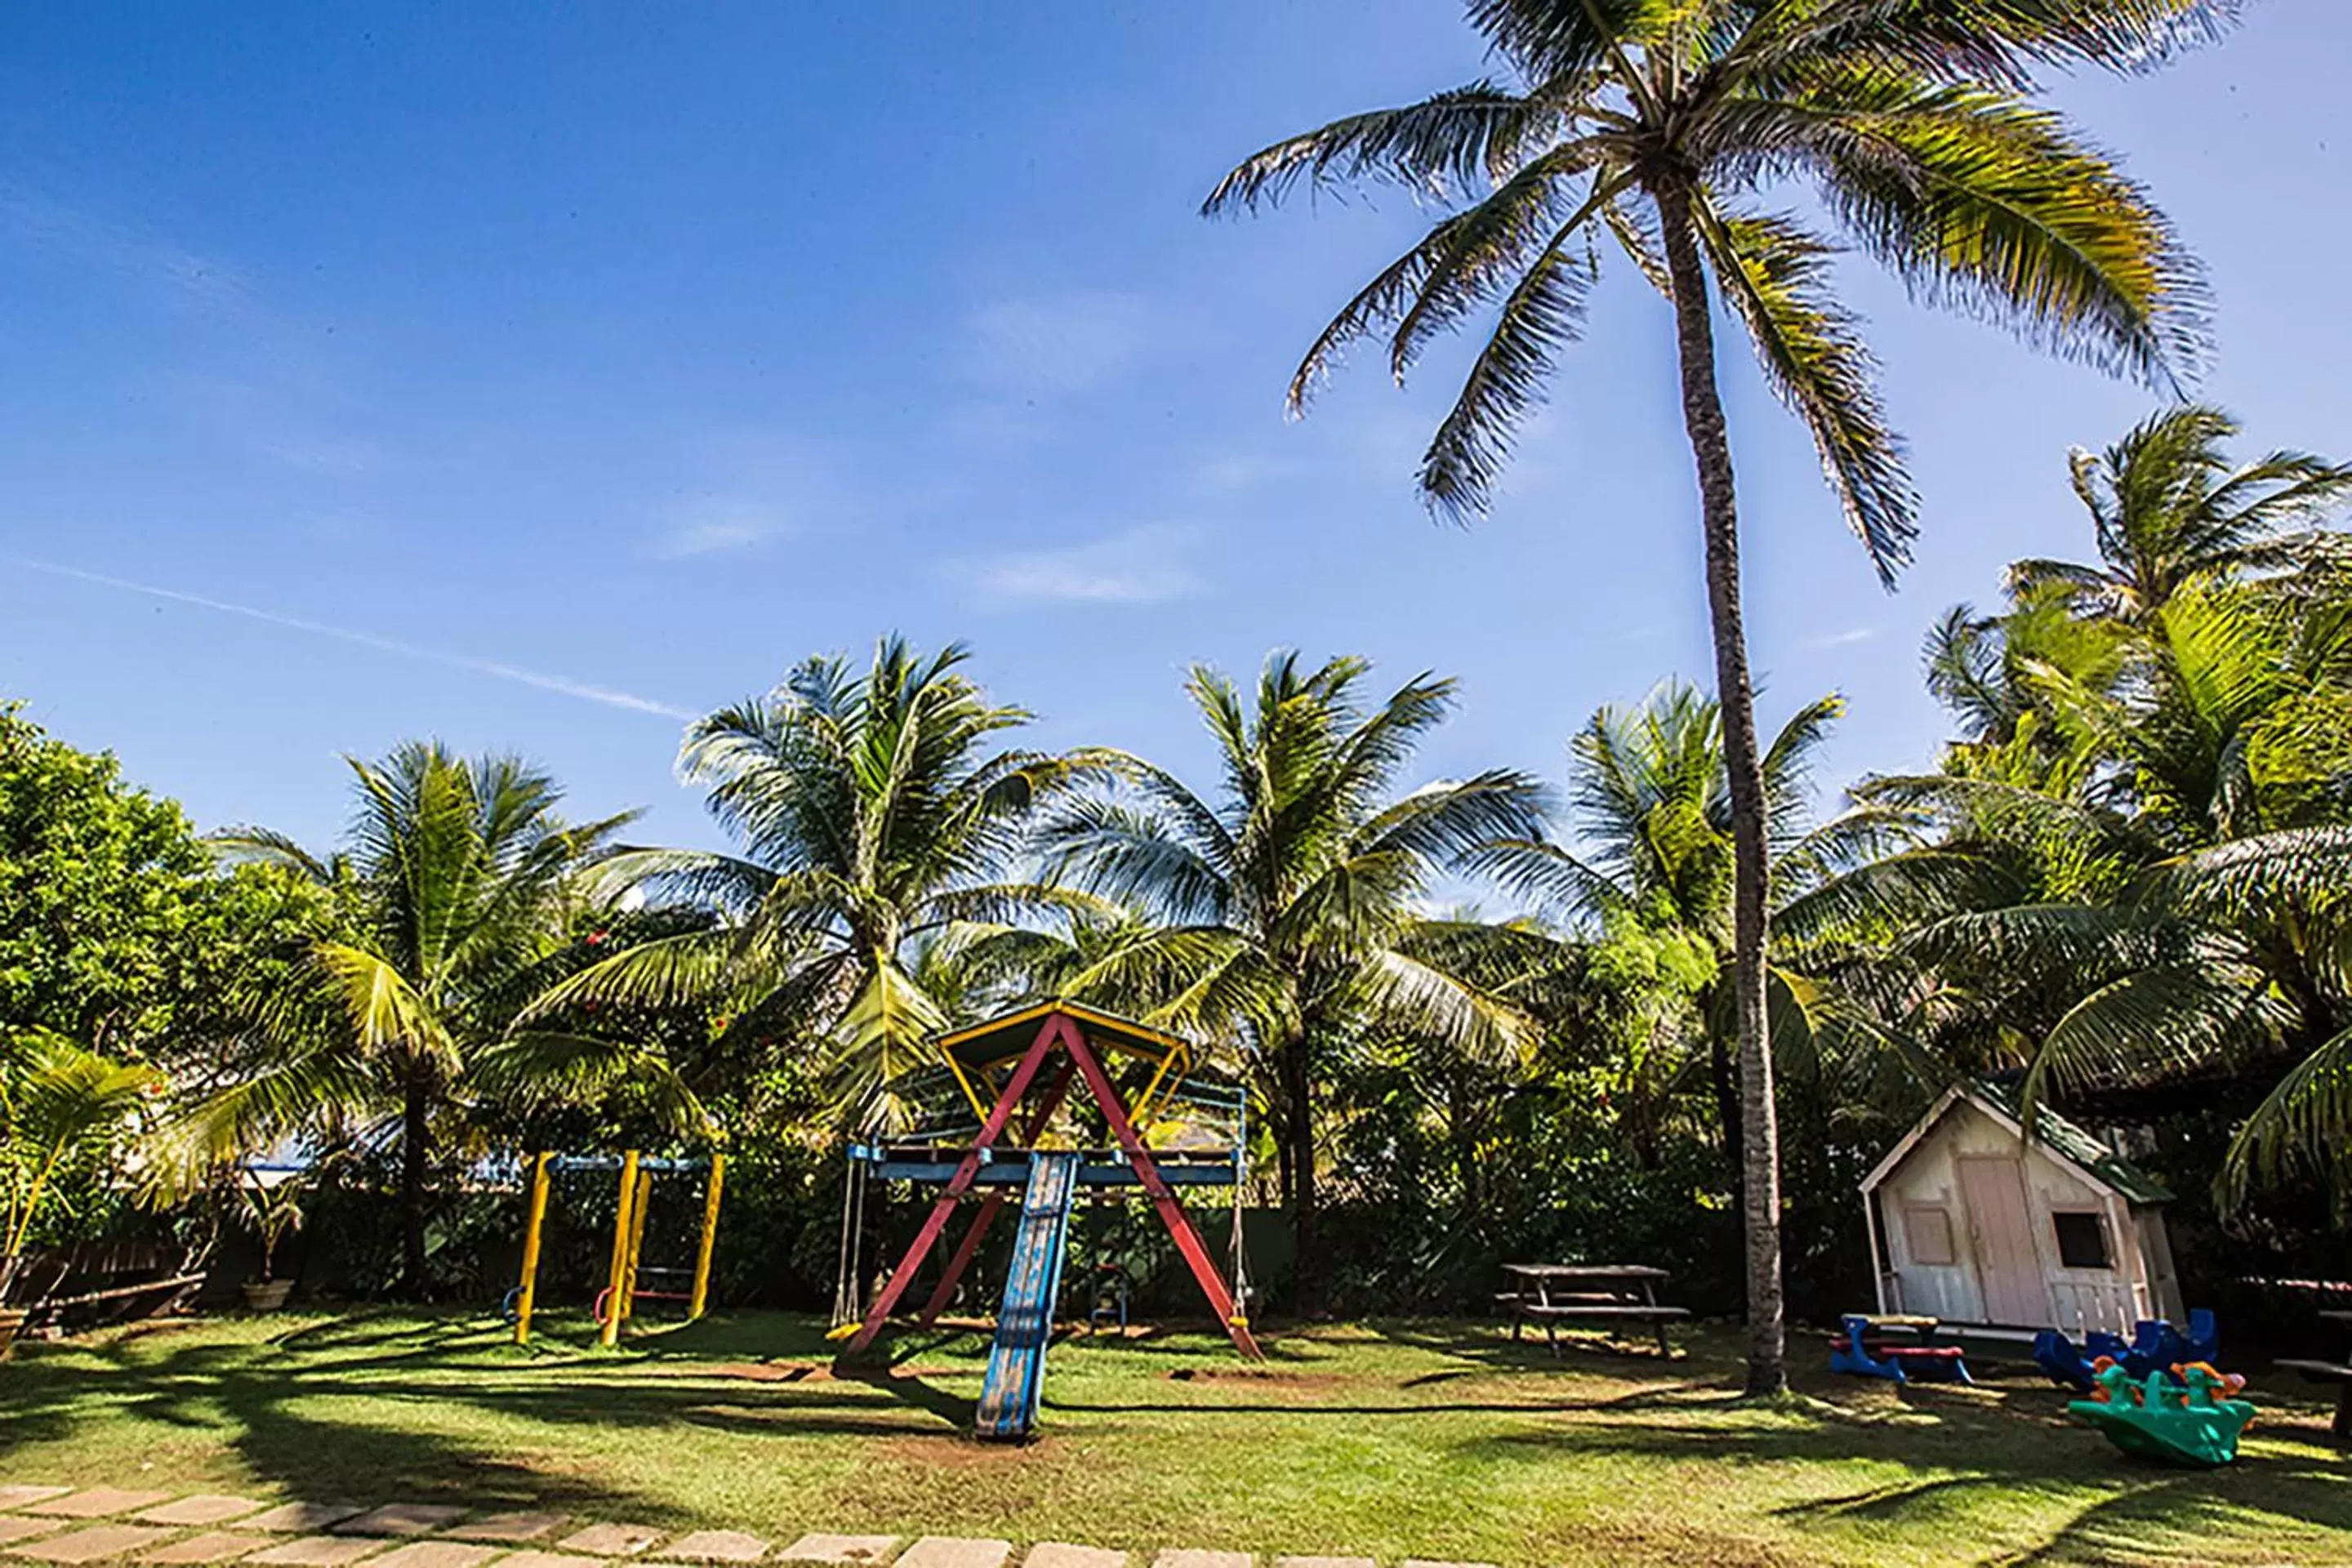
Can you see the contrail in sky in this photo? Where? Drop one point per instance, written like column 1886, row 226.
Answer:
column 560, row 684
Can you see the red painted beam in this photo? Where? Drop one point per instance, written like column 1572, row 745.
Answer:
column 1171, row 1213
column 994, row 1201
column 958, row 1184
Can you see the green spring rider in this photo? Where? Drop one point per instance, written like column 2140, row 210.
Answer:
column 2173, row 1423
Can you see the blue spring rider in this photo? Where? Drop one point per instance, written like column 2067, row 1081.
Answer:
column 2156, row 1347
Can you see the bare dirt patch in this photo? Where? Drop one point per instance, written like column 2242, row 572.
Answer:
column 1264, row 1377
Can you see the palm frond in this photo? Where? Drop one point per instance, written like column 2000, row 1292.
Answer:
column 1777, row 276
column 2167, row 1020
column 1544, row 313
column 1983, row 203
column 2303, row 1123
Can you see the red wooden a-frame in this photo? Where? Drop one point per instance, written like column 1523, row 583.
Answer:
column 1060, row 1029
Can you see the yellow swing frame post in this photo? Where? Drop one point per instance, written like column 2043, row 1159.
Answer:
column 710, row 1236
column 623, row 1265
column 624, row 1306
column 530, row 1237
column 636, row 1203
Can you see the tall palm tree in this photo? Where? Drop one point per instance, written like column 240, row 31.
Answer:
column 452, row 893
column 1291, row 897
column 2168, row 506
column 878, row 820
column 1661, row 122
column 1649, row 803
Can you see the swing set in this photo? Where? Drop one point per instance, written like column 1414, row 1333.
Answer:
column 626, row 1272
column 965, row 1141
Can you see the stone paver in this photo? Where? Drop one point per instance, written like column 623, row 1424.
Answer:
column 402, row 1519
column 505, row 1527
column 435, row 1554
column 318, row 1551
column 955, row 1552
column 1062, row 1555
column 823, row 1548
column 204, row 1509
column 17, row 1497
column 1325, row 1563
column 610, row 1540
column 550, row 1560
column 716, row 1546
column 293, row 1518
column 93, row 1545
column 13, row 1529
column 1193, row 1557
column 213, row 1546
column 96, row 1503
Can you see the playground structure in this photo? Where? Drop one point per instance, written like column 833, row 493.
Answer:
column 2172, row 1415
column 615, row 1304
column 1024, row 1064
column 2155, row 1347
column 1868, row 1345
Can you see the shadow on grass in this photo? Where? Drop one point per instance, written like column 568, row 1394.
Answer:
column 370, row 1405
column 275, row 1401
column 1973, row 1458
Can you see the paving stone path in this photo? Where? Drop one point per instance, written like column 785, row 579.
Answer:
column 54, row 1524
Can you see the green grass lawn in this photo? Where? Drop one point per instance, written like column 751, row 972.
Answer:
column 1389, row 1439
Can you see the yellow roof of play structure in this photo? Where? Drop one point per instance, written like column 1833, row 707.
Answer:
column 1001, row 1039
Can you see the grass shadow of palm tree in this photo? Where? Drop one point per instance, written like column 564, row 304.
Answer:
column 1957, row 1453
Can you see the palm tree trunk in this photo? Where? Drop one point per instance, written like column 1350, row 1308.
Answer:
column 1297, row 1089
column 1726, row 1102
column 414, row 1131
column 1711, row 446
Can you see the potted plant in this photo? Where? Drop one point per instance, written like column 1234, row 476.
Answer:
column 60, row 1104
column 270, row 1211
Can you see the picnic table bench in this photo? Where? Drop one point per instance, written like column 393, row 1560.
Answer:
column 1599, row 1293
column 2334, row 1373
column 1895, row 1346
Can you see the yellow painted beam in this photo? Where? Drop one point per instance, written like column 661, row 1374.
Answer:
column 609, row 1335
column 710, row 1236
column 531, row 1236
column 627, row 1307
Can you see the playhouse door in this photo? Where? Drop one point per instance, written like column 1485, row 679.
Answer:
column 2008, row 1268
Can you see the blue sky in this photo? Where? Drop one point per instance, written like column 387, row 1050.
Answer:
column 541, row 373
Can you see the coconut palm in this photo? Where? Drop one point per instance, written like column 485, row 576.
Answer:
column 2168, row 506
column 2184, row 872
column 1649, row 798
column 879, row 824
column 1662, row 122
column 1290, row 898
column 453, row 891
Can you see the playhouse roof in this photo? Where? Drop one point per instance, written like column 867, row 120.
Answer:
column 2096, row 1160
column 1001, row 1039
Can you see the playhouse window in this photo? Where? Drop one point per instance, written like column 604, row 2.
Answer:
column 2082, row 1240
column 1929, row 1232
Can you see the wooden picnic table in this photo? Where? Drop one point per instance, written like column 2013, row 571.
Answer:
column 1554, row 1293
column 2339, row 1374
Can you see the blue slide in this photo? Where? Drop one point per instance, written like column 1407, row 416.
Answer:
column 1016, row 1363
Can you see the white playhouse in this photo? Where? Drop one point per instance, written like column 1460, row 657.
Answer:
column 1973, row 1223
